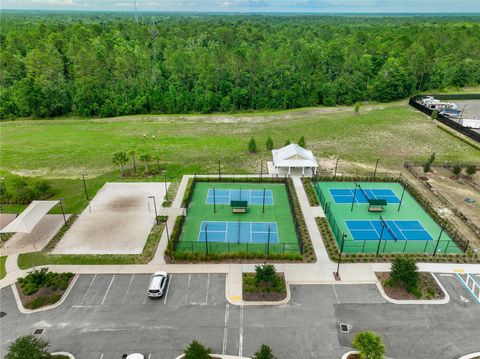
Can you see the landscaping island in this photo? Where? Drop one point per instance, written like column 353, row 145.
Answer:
column 265, row 285
column 40, row 288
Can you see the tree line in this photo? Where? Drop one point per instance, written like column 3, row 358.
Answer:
column 110, row 65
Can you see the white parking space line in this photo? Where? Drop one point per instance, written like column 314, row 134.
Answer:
column 101, row 356
column 240, row 332
column 149, row 355
column 188, row 286
column 170, row 277
column 446, row 275
column 89, row 286
column 336, row 295
column 208, row 284
column 225, row 330
column 108, row 289
column 128, row 289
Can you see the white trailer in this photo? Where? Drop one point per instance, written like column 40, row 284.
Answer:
column 470, row 122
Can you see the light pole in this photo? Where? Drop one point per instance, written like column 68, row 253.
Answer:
column 155, row 207
column 206, row 239
column 85, row 187
column 354, row 194
column 376, row 165
column 340, row 256
column 219, row 170
column 166, row 189
column 63, row 212
column 214, row 201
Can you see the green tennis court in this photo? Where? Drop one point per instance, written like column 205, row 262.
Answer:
column 400, row 225
column 211, row 224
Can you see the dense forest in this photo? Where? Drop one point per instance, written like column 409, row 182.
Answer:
column 93, row 64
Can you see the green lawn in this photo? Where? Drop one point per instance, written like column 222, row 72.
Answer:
column 409, row 210
column 62, row 149
column 200, row 211
column 3, row 272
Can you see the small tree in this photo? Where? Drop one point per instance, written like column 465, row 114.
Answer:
column 434, row 115
column 252, row 146
column 266, row 273
column 120, row 158
column 432, row 158
column 265, row 352
column 357, row 107
column 28, row 347
column 197, row 350
column 301, row 142
column 157, row 158
column 404, row 270
column 269, row 144
column 471, row 170
column 132, row 154
column 426, row 167
column 145, row 158
column 369, row 344
column 456, row 169
column 287, row 142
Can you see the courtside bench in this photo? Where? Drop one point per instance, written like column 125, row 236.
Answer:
column 239, row 206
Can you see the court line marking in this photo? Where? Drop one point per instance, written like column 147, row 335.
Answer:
column 240, row 333
column 188, row 286
column 108, row 289
column 128, row 289
column 225, row 330
column 86, row 292
column 170, row 277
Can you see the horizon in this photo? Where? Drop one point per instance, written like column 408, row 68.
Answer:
column 251, row 6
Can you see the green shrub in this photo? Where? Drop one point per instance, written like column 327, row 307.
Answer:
column 43, row 301
column 28, row 347
column 197, row 350
column 369, row 344
column 252, row 146
column 426, row 167
column 456, row 169
column 266, row 273
column 269, row 144
column 471, row 170
column 404, row 270
column 301, row 142
column 42, row 278
column 265, row 352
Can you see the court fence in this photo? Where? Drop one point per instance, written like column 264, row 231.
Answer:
column 263, row 249
column 414, row 102
column 304, row 245
column 410, row 166
column 417, row 246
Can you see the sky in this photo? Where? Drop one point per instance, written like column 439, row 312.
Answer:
column 249, row 6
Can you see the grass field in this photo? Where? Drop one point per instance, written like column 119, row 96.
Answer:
column 200, row 211
column 62, row 149
column 410, row 210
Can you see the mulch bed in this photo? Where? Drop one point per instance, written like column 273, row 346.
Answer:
column 43, row 292
column 265, row 295
column 353, row 356
column 426, row 282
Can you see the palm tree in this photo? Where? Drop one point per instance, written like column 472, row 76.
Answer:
column 132, row 154
column 120, row 158
column 157, row 158
column 145, row 158
column 370, row 345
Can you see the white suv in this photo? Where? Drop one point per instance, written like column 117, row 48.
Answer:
column 157, row 284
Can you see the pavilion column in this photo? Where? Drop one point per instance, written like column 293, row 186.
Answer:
column 289, row 170
column 303, row 171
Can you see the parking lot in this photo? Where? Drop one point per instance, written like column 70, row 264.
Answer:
column 105, row 316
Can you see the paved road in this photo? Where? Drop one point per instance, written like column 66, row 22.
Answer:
column 105, row 316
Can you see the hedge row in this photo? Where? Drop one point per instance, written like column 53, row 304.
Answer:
column 310, row 191
column 57, row 237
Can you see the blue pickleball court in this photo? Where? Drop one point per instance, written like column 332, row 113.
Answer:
column 345, row 195
column 409, row 230
column 252, row 196
column 238, row 232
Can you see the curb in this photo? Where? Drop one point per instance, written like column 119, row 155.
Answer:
column 23, row 310
column 415, row 301
column 470, row 356
column 345, row 356
column 67, row 354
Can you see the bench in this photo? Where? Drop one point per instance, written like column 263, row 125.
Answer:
column 239, row 210
column 239, row 206
column 376, row 205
